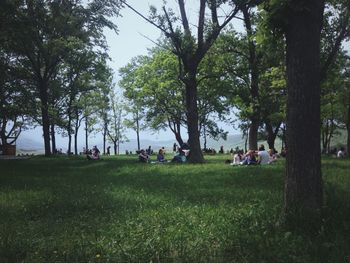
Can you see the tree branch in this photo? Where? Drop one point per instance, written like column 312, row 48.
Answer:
column 184, row 16
column 147, row 19
column 201, row 24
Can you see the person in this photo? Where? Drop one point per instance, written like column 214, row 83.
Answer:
column 180, row 157
column 263, row 155
column 143, row 156
column 237, row 158
column 174, row 148
column 221, row 149
column 185, row 149
column 250, row 158
column 149, row 151
column 95, row 154
column 273, row 155
column 160, row 156
column 109, row 150
column 341, row 153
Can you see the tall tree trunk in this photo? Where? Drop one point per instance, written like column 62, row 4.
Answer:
column 303, row 184
column 254, row 80
column 104, row 138
column 86, row 134
column 45, row 116
column 53, row 138
column 76, row 141
column 205, row 137
column 77, row 126
column 348, row 131
column 324, row 135
column 69, row 135
column 3, row 131
column 253, row 134
column 196, row 155
column 118, row 146
column 69, row 126
column 271, row 136
column 115, row 147
column 138, row 131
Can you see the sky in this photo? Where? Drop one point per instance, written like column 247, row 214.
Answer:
column 135, row 36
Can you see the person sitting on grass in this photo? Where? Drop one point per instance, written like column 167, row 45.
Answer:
column 250, row 158
column 143, row 156
column 95, row 154
column 341, row 153
column 237, row 158
column 161, row 156
column 263, row 156
column 180, row 157
column 273, row 155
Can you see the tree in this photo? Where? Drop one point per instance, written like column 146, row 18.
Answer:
column 116, row 128
column 301, row 21
column 190, row 50
column 16, row 104
column 155, row 86
column 103, row 77
column 42, row 33
column 75, row 71
column 130, row 84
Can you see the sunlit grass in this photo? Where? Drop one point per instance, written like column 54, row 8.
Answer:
column 118, row 210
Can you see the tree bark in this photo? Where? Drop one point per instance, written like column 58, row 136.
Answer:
column 53, row 138
column 69, row 134
column 205, row 137
column 45, row 116
column 175, row 127
column 69, row 125
column 253, row 134
column 348, row 131
column 254, row 81
column 115, row 147
column 3, row 131
column 196, row 155
column 271, row 134
column 104, row 137
column 138, row 131
column 86, row 134
column 77, row 126
column 303, row 184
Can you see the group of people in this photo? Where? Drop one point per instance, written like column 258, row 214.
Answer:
column 93, row 154
column 253, row 157
column 180, row 155
column 144, row 156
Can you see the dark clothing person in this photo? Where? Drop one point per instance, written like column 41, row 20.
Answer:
column 143, row 157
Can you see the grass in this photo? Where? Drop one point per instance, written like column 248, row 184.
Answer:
column 117, row 210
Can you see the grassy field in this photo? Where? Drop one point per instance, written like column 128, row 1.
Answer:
column 117, row 210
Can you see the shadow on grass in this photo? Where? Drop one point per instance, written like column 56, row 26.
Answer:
column 133, row 211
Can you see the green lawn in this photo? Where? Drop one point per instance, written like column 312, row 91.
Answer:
column 117, row 210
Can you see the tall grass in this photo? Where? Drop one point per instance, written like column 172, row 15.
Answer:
column 117, row 210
